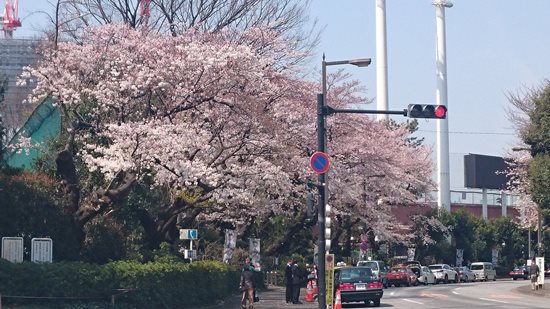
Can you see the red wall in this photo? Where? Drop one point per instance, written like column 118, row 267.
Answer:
column 403, row 213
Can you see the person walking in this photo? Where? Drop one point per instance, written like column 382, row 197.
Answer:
column 296, row 281
column 247, row 285
column 534, row 273
column 288, row 281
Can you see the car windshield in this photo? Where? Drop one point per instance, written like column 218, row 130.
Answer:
column 355, row 274
column 435, row 267
column 370, row 264
column 476, row 267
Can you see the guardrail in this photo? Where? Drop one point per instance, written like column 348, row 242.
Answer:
column 270, row 278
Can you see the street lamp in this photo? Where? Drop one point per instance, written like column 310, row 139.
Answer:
column 324, row 209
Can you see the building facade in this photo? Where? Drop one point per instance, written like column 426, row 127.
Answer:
column 14, row 55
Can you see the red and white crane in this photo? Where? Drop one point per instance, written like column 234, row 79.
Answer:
column 9, row 20
column 145, row 12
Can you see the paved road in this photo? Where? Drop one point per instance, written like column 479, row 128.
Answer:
column 499, row 294
column 505, row 294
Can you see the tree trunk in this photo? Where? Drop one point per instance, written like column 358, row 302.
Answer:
column 84, row 211
column 164, row 228
column 282, row 245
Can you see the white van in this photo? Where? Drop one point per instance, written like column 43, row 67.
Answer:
column 483, row 271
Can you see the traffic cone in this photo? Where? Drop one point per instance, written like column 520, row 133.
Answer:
column 337, row 301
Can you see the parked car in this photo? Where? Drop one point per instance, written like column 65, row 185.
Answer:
column 358, row 284
column 401, row 275
column 426, row 276
column 519, row 272
column 443, row 273
column 378, row 268
column 547, row 269
column 414, row 266
column 465, row 274
column 484, row 271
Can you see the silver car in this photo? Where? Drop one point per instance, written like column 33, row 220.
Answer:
column 465, row 274
column 378, row 268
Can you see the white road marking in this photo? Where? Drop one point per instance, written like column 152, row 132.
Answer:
column 498, row 301
column 455, row 292
column 413, row 301
column 392, row 293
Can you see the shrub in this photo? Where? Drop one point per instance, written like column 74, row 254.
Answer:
column 150, row 285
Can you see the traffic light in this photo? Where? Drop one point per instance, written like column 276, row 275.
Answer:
column 427, row 111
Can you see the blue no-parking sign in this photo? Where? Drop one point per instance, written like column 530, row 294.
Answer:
column 319, row 162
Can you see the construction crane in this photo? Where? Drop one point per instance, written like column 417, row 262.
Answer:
column 9, row 20
column 144, row 10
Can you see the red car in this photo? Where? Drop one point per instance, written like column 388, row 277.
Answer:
column 519, row 272
column 401, row 275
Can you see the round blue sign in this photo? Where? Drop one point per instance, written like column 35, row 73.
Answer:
column 319, row 162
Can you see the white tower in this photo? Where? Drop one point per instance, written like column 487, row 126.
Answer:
column 443, row 177
column 381, row 60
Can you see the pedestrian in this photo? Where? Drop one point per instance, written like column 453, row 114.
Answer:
column 247, row 285
column 534, row 272
column 288, row 281
column 296, row 281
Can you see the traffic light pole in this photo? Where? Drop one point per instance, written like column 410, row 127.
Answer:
column 321, row 146
column 323, row 111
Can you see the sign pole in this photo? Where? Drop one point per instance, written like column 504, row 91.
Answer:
column 321, row 145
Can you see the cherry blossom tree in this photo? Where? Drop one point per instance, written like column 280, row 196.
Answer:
column 287, row 18
column 224, row 126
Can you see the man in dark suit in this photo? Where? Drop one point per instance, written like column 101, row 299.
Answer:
column 288, row 281
column 296, row 281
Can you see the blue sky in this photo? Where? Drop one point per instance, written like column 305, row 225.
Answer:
column 493, row 47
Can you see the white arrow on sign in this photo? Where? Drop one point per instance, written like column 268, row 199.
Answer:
column 189, row 234
column 193, row 234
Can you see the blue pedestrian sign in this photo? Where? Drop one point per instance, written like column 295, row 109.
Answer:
column 189, row 234
column 319, row 162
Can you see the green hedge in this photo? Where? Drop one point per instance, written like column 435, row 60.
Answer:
column 151, row 285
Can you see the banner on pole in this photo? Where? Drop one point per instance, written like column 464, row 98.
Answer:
column 254, row 250
column 459, row 257
column 494, row 255
column 410, row 254
column 229, row 245
column 329, row 278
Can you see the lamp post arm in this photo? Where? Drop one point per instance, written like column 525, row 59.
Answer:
column 327, row 110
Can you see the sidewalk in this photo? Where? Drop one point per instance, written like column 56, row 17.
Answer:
column 526, row 289
column 272, row 298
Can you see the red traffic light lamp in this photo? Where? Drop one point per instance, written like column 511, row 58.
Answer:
column 427, row 111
